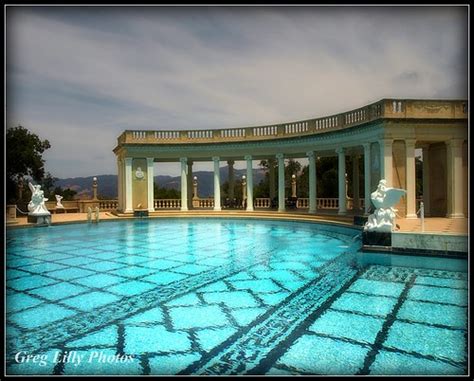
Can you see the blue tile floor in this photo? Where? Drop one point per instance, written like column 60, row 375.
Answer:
column 162, row 297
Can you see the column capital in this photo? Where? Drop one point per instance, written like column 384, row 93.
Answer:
column 190, row 162
column 366, row 146
column 310, row 154
column 385, row 141
column 183, row 160
column 150, row 160
column 340, row 150
column 216, row 158
column 248, row 157
column 128, row 160
column 455, row 143
column 410, row 142
column 230, row 162
column 280, row 156
column 424, row 146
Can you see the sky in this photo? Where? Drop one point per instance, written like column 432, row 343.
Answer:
column 80, row 76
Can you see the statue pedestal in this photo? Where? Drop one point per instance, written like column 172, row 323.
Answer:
column 140, row 213
column 360, row 220
column 371, row 238
column 42, row 219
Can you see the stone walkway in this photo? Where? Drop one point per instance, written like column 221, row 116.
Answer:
column 435, row 224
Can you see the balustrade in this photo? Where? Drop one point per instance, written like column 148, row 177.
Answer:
column 167, row 203
column 327, row 203
column 386, row 108
column 262, row 203
column 302, row 203
column 206, row 203
column 108, row 205
column 259, row 203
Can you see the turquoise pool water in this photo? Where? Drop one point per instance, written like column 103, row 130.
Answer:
column 184, row 296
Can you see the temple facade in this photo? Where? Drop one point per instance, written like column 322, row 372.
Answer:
column 385, row 134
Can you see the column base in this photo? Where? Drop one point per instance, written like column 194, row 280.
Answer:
column 184, row 209
column 249, row 209
column 281, row 210
column 151, row 210
column 218, row 209
column 455, row 215
column 128, row 211
column 312, row 211
column 342, row 212
column 411, row 216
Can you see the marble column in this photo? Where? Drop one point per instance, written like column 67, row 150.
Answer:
column 355, row 183
column 312, row 182
column 128, row 185
column 281, row 182
column 410, row 178
column 386, row 160
column 271, row 178
column 367, row 172
column 231, row 177
column 150, row 173
column 248, row 158
column 119, row 184
column 190, row 183
column 455, row 173
column 244, row 190
column 217, row 184
column 341, row 175
column 184, row 184
column 426, row 179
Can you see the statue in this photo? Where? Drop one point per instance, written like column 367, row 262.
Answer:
column 58, row 202
column 37, row 206
column 96, row 210
column 384, row 198
column 139, row 173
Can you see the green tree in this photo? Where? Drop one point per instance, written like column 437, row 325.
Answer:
column 47, row 185
column 68, row 194
column 165, row 193
column 23, row 159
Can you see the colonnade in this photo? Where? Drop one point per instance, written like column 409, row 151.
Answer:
column 379, row 162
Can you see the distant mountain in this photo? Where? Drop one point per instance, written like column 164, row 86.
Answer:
column 107, row 184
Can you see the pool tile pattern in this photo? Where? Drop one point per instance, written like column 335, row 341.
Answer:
column 248, row 307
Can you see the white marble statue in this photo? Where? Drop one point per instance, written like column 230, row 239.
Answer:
column 96, row 211
column 139, row 174
column 58, row 202
column 384, row 198
column 37, row 206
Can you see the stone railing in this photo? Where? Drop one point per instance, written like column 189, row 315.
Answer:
column 108, row 205
column 261, row 203
column 81, row 206
column 206, row 203
column 302, row 203
column 350, row 203
column 384, row 109
column 167, row 203
column 327, row 203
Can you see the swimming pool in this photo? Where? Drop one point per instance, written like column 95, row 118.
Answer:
column 205, row 296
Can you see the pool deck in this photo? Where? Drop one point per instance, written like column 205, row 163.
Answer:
column 436, row 225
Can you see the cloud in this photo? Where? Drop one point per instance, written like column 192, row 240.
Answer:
column 79, row 76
